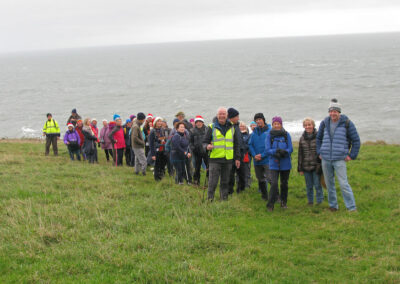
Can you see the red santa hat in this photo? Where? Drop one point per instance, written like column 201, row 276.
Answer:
column 149, row 115
column 199, row 118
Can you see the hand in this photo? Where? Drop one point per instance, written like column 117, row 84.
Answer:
column 44, row 134
column 67, row 143
column 210, row 147
column 301, row 173
column 189, row 155
column 257, row 157
column 320, row 157
column 237, row 164
column 153, row 158
column 347, row 159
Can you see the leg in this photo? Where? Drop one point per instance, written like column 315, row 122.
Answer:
column 274, row 189
column 71, row 154
column 309, row 178
column 48, row 143
column 241, row 172
column 78, row 156
column 132, row 157
column 128, row 156
column 54, row 142
column 107, row 155
column 347, row 192
column 214, row 172
column 318, row 188
column 329, row 175
column 225, row 176
column 188, row 171
column 284, row 177
column 262, row 180
column 198, row 160
column 231, row 183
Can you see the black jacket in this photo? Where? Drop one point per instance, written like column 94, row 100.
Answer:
column 196, row 140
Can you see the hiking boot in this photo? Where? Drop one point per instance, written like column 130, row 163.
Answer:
column 310, row 204
column 333, row 209
column 270, row 209
column 144, row 173
column 283, row 205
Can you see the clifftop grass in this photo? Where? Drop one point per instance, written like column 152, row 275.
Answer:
column 63, row 221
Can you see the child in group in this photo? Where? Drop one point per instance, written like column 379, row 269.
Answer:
column 279, row 147
column 309, row 163
column 72, row 140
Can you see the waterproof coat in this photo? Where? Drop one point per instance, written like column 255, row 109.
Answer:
column 117, row 137
column 196, row 139
column 257, row 144
column 338, row 147
column 272, row 144
column 51, row 128
column 104, row 139
column 137, row 140
column 71, row 136
column 308, row 157
column 179, row 145
column 90, row 142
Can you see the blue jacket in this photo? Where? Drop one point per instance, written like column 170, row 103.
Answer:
column 279, row 142
column 337, row 147
column 257, row 144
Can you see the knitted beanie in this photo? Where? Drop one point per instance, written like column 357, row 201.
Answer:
column 334, row 105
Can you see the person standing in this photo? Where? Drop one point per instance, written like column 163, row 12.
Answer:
column 196, row 147
column 118, row 140
column 78, row 128
column 105, row 141
column 72, row 140
column 157, row 140
column 233, row 116
column 138, row 144
column 244, row 156
column 180, row 152
column 95, row 131
column 279, row 148
column 223, row 142
column 52, row 132
column 90, row 144
column 74, row 118
column 127, row 130
column 337, row 143
column 258, row 151
column 309, row 164
column 181, row 117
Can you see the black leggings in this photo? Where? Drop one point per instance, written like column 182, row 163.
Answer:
column 109, row 153
column 273, row 193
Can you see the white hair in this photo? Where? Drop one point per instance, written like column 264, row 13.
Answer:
column 224, row 109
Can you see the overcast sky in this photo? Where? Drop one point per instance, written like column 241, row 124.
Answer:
column 51, row 24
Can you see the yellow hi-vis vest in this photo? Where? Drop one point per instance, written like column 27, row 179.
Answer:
column 223, row 145
column 51, row 127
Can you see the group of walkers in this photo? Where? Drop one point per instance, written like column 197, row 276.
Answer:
column 225, row 149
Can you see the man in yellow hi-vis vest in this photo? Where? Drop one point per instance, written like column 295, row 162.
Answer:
column 52, row 132
column 223, row 142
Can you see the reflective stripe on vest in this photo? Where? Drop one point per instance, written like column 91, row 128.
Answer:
column 51, row 127
column 222, row 145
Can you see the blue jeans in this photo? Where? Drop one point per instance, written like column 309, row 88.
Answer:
column 313, row 181
column 329, row 168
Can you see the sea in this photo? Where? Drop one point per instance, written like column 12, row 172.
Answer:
column 292, row 77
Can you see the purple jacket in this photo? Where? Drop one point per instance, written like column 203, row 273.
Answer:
column 104, row 139
column 71, row 136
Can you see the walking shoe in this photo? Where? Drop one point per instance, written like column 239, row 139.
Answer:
column 310, row 203
column 283, row 205
column 144, row 173
column 137, row 173
column 332, row 209
column 270, row 209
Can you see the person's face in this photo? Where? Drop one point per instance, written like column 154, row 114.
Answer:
column 180, row 117
column 260, row 122
column 94, row 122
column 235, row 119
column 80, row 124
column 242, row 128
column 104, row 123
column 118, row 122
column 88, row 122
column 158, row 124
column 73, row 114
column 276, row 125
column 199, row 124
column 253, row 126
column 181, row 128
column 70, row 128
column 141, row 121
column 49, row 117
column 335, row 115
column 308, row 126
column 149, row 119
column 129, row 124
column 164, row 124
column 221, row 116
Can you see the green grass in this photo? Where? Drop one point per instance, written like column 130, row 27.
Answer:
column 63, row 221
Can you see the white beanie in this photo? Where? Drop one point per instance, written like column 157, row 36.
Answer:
column 334, row 105
column 156, row 119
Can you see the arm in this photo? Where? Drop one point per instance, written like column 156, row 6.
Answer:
column 320, row 136
column 289, row 148
column 65, row 138
column 355, row 141
column 57, row 128
column 300, row 157
column 111, row 135
column 79, row 138
column 268, row 147
column 237, row 144
column 152, row 143
column 207, row 138
column 251, row 146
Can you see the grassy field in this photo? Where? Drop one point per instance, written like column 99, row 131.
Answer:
column 63, row 221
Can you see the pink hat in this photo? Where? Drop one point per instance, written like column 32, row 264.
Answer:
column 199, row 118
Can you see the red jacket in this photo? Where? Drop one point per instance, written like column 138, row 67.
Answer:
column 95, row 132
column 120, row 138
column 81, row 136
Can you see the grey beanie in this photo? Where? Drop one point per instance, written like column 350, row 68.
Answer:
column 334, row 105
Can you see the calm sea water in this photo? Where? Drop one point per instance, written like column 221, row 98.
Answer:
column 290, row 77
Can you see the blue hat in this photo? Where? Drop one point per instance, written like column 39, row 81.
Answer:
column 175, row 121
column 116, row 116
column 128, row 120
column 253, row 122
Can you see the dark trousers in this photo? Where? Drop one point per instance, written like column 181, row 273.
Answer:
column 170, row 166
column 128, row 155
column 273, row 194
column 179, row 171
column 72, row 153
column 241, row 173
column 198, row 160
column 217, row 170
column 51, row 140
column 159, row 166
column 120, row 156
column 109, row 153
column 132, row 157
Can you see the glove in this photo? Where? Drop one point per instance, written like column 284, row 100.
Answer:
column 278, row 154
